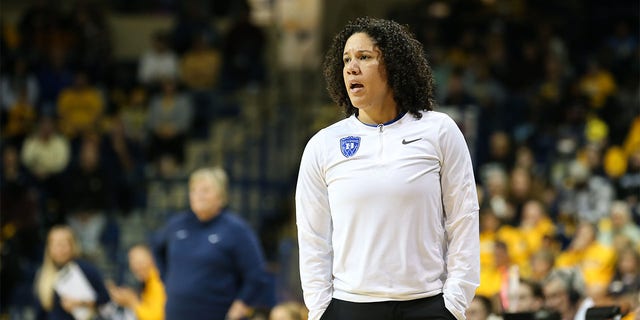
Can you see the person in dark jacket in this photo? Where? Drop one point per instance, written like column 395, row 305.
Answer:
column 68, row 288
column 209, row 258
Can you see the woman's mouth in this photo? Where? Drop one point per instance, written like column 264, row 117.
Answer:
column 355, row 87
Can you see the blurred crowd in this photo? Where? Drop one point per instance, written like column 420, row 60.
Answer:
column 553, row 91
column 556, row 103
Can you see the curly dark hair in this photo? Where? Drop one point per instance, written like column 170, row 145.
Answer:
column 409, row 74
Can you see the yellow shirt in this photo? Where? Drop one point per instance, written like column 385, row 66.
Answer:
column 200, row 70
column 598, row 87
column 517, row 247
column 487, row 242
column 490, row 281
column 596, row 262
column 152, row 300
column 21, row 119
column 79, row 110
column 535, row 235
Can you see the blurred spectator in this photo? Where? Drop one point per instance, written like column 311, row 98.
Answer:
column 494, row 280
column 500, row 155
column 521, row 190
column 594, row 261
column 489, row 225
column 489, row 93
column 230, row 274
column 530, row 297
column 243, row 52
column 46, row 154
column 158, row 62
column 53, row 76
column 480, row 308
column 542, row 263
column 44, row 28
column 456, row 92
column 628, row 185
column 551, row 42
column 526, row 158
column 564, row 293
column 550, row 95
column 21, row 81
column 87, row 192
column 80, row 107
column 200, row 71
column 289, row 311
column 495, row 183
column 149, row 305
column 585, row 196
column 622, row 44
column 170, row 115
column 592, row 155
column 536, row 225
column 61, row 269
column 527, row 59
column 626, row 278
column 21, row 116
column 167, row 191
column 618, row 229
column 124, row 165
column 597, row 84
column 87, row 184
column 192, row 20
column 133, row 113
column 92, row 48
column 19, row 229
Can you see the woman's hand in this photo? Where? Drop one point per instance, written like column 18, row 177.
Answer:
column 123, row 296
column 239, row 310
column 68, row 304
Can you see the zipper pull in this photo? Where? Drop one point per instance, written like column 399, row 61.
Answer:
column 381, row 126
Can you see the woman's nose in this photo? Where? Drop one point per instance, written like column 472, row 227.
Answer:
column 352, row 67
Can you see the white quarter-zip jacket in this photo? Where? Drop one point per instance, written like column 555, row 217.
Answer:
column 388, row 213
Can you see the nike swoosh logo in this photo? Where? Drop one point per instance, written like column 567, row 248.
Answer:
column 410, row 141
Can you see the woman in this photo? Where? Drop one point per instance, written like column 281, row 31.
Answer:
column 386, row 202
column 66, row 287
column 209, row 258
column 170, row 115
column 149, row 305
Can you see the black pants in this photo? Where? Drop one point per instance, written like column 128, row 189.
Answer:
column 431, row 308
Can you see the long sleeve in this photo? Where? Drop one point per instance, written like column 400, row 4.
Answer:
column 461, row 220
column 250, row 261
column 153, row 298
column 314, row 231
column 45, row 157
column 97, row 282
column 159, row 249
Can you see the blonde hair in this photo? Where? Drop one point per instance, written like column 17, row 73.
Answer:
column 48, row 273
column 218, row 176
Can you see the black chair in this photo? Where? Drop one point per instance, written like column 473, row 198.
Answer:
column 603, row 313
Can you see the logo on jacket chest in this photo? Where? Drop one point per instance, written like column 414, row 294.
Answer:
column 349, row 146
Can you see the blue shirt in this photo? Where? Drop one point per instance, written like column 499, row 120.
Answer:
column 207, row 265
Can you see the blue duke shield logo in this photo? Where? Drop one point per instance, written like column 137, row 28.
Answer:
column 349, row 145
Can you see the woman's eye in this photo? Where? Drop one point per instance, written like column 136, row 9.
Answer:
column 364, row 57
column 346, row 60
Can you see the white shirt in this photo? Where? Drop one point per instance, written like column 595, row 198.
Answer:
column 388, row 213
column 155, row 66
